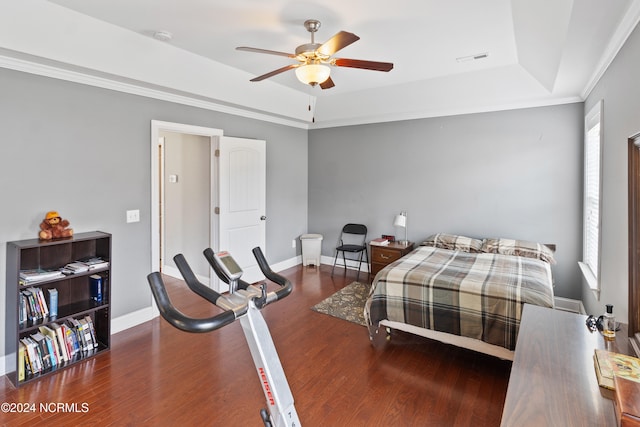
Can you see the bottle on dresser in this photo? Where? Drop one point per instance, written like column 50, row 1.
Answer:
column 609, row 324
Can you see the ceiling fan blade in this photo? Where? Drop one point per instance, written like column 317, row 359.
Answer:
column 327, row 84
column 269, row 52
column 275, row 72
column 367, row 65
column 337, row 42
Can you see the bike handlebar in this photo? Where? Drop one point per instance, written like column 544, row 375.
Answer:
column 189, row 324
column 192, row 282
column 177, row 318
column 285, row 284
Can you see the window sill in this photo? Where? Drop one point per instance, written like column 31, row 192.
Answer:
column 592, row 281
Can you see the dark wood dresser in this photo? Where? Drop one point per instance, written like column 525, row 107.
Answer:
column 553, row 381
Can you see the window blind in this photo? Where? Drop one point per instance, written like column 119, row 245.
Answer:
column 592, row 154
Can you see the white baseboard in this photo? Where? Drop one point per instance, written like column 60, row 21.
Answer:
column 130, row 320
column 175, row 273
column 351, row 264
column 171, row 271
column 571, row 305
column 3, row 363
column 288, row 263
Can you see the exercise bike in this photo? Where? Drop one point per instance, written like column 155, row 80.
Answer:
column 243, row 301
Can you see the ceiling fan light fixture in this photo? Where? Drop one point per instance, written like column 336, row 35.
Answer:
column 313, row 74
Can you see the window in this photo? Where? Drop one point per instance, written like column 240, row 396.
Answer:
column 590, row 264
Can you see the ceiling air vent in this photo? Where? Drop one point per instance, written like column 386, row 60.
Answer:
column 473, row 57
column 163, row 36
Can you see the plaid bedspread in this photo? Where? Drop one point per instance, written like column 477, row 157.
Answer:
column 477, row 295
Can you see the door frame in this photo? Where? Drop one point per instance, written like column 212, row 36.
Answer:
column 156, row 127
column 634, row 240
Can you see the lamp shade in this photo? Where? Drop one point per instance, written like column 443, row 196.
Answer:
column 312, row 74
column 400, row 221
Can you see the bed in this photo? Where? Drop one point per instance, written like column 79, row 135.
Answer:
column 462, row 291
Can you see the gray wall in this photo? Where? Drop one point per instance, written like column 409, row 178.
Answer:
column 512, row 174
column 84, row 152
column 620, row 91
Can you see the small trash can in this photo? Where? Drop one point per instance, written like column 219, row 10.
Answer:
column 311, row 248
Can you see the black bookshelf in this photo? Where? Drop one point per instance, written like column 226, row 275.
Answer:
column 74, row 296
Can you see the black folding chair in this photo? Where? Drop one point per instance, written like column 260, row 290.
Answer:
column 352, row 240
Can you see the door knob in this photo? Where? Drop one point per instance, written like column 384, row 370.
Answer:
column 263, row 218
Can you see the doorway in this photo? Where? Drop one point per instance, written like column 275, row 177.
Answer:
column 237, row 191
column 186, row 200
column 158, row 185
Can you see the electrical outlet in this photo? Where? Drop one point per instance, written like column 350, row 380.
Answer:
column 133, row 216
column 293, row 243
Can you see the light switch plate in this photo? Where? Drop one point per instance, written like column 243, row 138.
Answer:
column 133, row 216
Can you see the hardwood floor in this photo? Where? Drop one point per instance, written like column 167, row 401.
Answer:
column 155, row 375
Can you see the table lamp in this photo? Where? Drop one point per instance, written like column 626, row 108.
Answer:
column 401, row 221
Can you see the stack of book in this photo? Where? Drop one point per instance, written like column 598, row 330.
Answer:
column 74, row 268
column 54, row 345
column 83, row 265
column 34, row 275
column 609, row 364
column 380, row 241
column 94, row 262
column 30, row 276
column 33, row 307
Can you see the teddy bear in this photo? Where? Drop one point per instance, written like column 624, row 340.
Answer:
column 54, row 227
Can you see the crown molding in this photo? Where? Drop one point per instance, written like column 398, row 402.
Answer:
column 623, row 31
column 86, row 78
column 445, row 112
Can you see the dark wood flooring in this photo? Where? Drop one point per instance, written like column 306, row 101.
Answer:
column 155, row 375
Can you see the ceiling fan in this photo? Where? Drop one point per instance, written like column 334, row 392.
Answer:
column 314, row 58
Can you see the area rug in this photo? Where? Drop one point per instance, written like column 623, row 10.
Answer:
column 346, row 304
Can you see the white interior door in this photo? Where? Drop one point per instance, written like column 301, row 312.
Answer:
column 242, row 201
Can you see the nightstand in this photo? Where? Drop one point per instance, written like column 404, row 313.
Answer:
column 381, row 256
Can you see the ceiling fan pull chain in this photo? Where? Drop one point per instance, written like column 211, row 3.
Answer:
column 312, row 108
